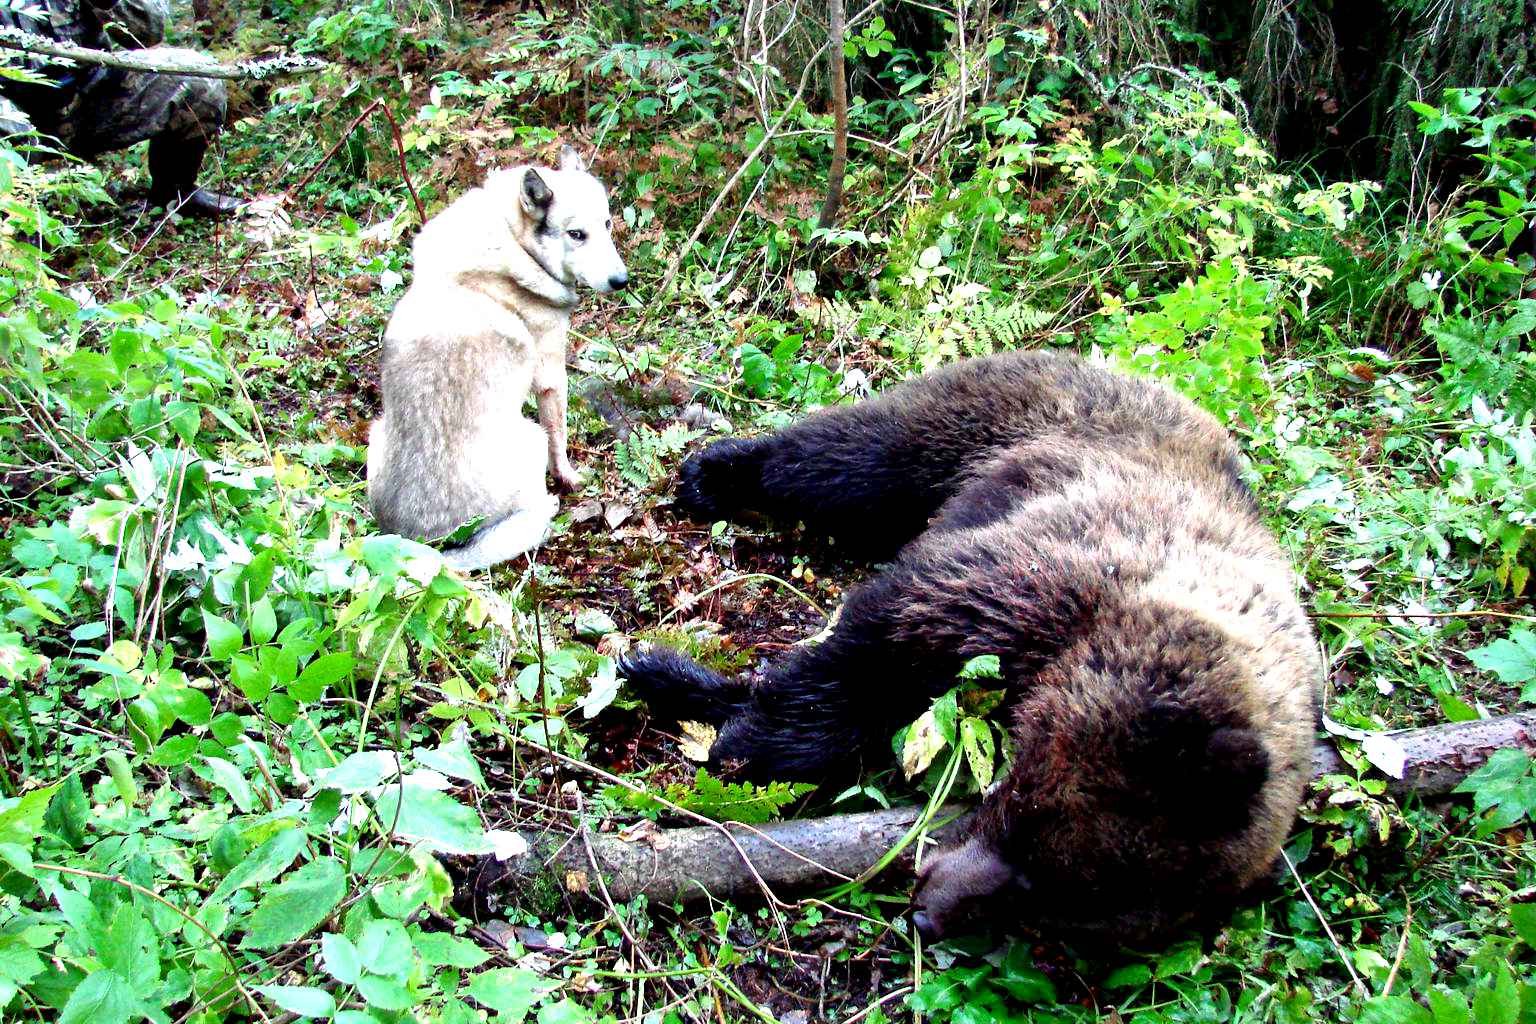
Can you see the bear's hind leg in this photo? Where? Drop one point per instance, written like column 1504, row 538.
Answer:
column 826, row 701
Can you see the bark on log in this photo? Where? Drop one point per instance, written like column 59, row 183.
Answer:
column 136, row 60
column 817, row 853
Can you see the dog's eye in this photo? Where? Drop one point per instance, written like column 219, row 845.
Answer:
column 577, row 235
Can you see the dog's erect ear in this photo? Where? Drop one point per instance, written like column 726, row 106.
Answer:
column 570, row 160
column 536, row 195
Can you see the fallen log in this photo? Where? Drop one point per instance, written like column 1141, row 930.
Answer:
column 160, row 63
column 733, row 861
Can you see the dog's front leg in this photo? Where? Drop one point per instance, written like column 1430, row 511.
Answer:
column 552, row 402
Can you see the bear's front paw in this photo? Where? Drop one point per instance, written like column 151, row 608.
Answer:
column 721, row 480
column 678, row 687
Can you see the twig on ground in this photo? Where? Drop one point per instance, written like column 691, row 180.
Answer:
column 394, row 128
column 1471, row 613
column 1360, row 988
column 1402, row 947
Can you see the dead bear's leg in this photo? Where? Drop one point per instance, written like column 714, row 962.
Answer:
column 900, row 641
column 874, row 473
column 819, row 705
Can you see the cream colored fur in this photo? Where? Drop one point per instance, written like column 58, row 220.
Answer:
column 482, row 327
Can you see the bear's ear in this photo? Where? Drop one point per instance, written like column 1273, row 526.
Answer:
column 1204, row 774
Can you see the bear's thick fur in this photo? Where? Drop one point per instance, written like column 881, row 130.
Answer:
column 1094, row 532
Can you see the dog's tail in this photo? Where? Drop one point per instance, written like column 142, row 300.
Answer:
column 521, row 531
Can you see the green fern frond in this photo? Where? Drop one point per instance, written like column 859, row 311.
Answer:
column 720, row 801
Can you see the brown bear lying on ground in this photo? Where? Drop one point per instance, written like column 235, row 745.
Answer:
column 1092, row 531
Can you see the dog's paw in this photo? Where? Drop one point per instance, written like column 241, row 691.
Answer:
column 568, row 477
column 720, row 480
column 679, row 687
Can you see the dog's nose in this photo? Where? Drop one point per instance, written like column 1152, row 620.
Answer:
column 618, row 280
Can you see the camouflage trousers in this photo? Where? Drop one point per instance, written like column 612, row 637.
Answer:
column 112, row 109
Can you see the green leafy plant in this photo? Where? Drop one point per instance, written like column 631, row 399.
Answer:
column 1503, row 790
column 642, row 456
column 1512, row 660
column 974, row 995
column 958, row 721
column 713, row 798
column 1206, row 337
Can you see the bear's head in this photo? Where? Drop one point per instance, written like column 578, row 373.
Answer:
column 1143, row 797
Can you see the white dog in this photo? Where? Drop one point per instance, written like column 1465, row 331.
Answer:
column 483, row 324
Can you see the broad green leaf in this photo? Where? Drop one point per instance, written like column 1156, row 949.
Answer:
column 439, row 949
column 385, row 993
column 174, row 752
column 431, row 819
column 103, row 997
column 602, row 688
column 1504, row 788
column 340, row 958
column 453, row 759
column 385, row 949
column 360, row 772
column 976, row 741
column 297, row 906
column 566, row 1011
column 228, row 777
column 19, row 962
column 1178, row 960
column 983, row 666
column 304, row 1000
column 1394, row 1010
column 940, row 992
column 263, row 621
column 68, row 813
column 263, row 864
column 594, row 624
column 18, row 859
column 21, row 818
column 1523, row 917
column 224, row 637
column 1498, row 1003
column 1448, row 1007
column 924, row 742
column 510, row 991
column 318, row 674
column 1128, row 976
column 1512, row 660
column 187, row 703
column 128, row 948
column 250, row 677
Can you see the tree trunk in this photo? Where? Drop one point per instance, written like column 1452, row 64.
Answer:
column 839, row 76
column 788, row 856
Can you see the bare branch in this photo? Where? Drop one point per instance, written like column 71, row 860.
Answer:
column 160, row 64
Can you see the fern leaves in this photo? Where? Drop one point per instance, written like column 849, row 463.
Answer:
column 721, row 801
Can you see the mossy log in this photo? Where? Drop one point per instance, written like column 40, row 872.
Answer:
column 734, row 861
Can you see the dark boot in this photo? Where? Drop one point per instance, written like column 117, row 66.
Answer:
column 173, row 167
